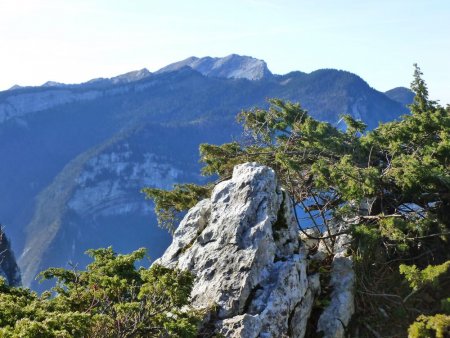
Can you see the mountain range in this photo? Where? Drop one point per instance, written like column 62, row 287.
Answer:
column 75, row 156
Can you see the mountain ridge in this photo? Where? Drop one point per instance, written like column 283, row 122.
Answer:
column 109, row 140
column 22, row 101
column 231, row 67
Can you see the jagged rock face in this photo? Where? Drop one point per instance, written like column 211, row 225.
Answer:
column 8, row 266
column 242, row 244
column 251, row 266
column 101, row 185
column 93, row 190
column 231, row 67
column 337, row 314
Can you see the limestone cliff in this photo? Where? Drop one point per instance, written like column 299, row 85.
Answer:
column 251, row 267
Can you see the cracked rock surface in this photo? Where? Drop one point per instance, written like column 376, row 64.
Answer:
column 334, row 319
column 242, row 245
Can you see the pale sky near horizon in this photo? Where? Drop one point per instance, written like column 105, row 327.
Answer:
column 72, row 41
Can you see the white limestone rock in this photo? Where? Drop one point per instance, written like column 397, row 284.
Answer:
column 336, row 316
column 187, row 232
column 243, row 326
column 309, row 237
column 303, row 310
column 243, row 247
column 101, row 189
column 231, row 255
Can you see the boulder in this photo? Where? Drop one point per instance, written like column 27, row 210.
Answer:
column 243, row 246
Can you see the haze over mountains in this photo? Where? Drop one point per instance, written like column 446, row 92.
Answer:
column 74, row 157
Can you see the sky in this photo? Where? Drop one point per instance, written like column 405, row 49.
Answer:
column 72, row 41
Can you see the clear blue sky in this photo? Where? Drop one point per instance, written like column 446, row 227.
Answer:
column 76, row 40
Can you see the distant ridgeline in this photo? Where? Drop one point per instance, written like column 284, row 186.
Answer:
column 76, row 156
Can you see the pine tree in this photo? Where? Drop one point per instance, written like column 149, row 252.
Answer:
column 400, row 171
column 111, row 298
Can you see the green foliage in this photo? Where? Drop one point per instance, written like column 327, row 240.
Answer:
column 169, row 204
column 430, row 326
column 25, row 314
column 419, row 87
column 399, row 163
column 428, row 276
column 367, row 238
column 217, row 158
column 402, row 165
column 110, row 299
column 445, row 305
column 399, row 173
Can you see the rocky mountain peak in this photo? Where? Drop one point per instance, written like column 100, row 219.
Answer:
column 125, row 78
column 131, row 76
column 15, row 87
column 53, row 84
column 243, row 246
column 231, row 67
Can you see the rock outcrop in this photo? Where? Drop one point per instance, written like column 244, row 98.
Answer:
column 251, row 268
column 335, row 317
column 8, row 266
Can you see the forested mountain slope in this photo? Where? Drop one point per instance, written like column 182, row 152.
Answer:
column 74, row 157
